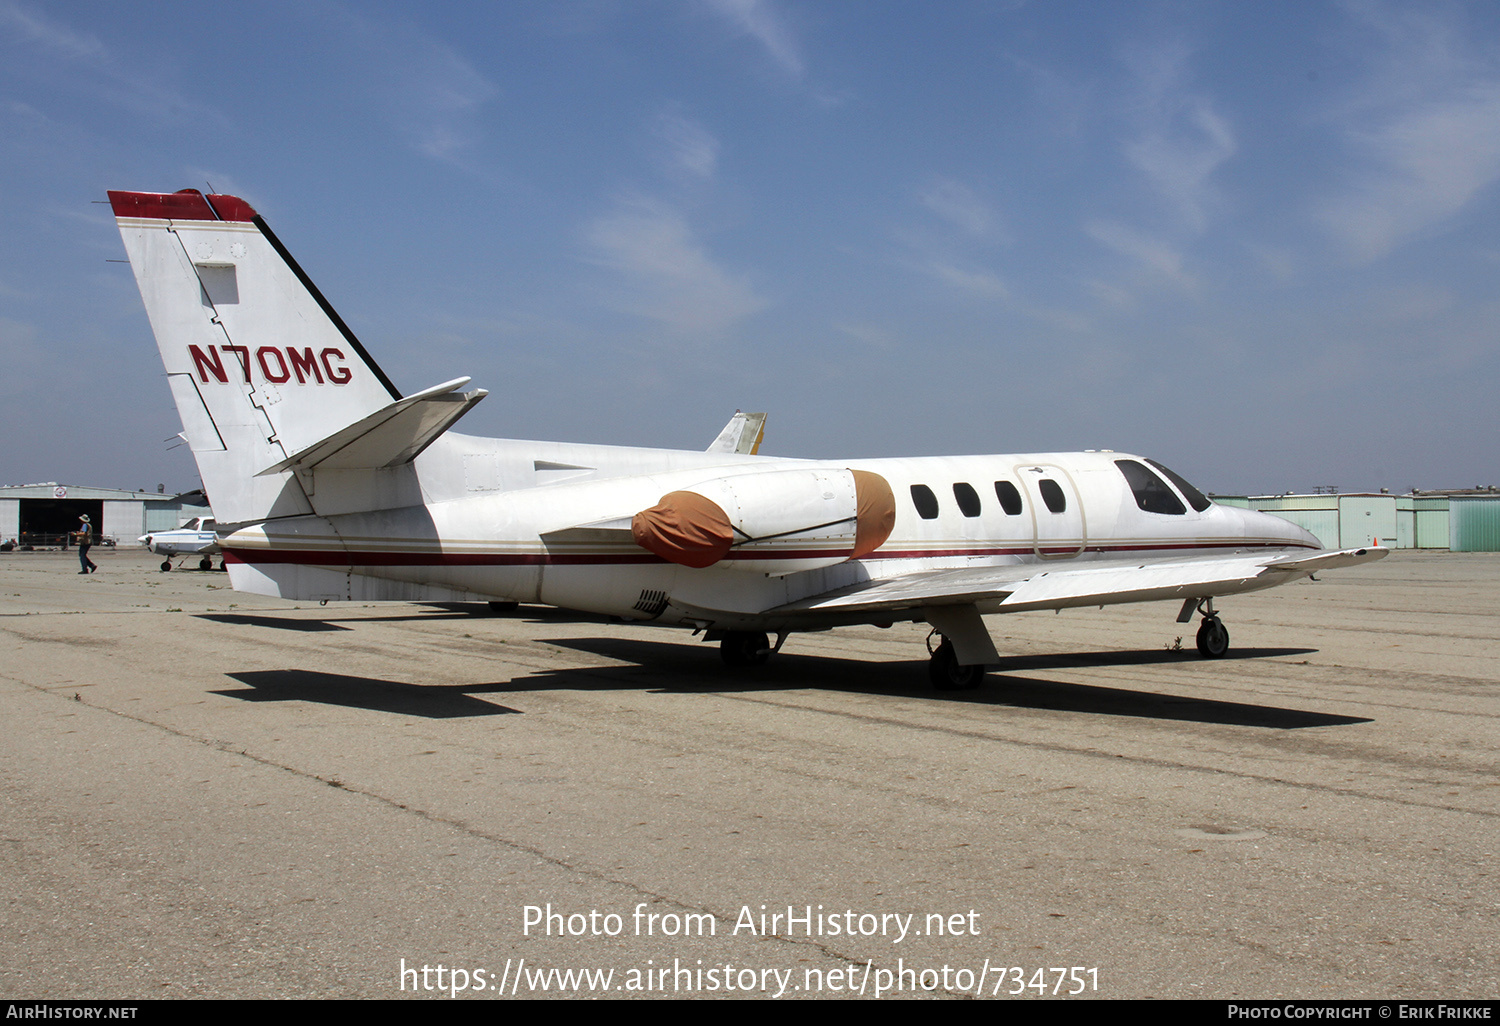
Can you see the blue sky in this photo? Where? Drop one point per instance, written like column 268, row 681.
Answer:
column 1256, row 241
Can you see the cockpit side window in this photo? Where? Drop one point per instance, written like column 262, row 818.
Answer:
column 1195, row 498
column 1151, row 492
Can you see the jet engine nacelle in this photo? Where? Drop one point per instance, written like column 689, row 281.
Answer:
column 774, row 522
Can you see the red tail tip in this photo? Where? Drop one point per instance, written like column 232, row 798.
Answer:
column 187, row 205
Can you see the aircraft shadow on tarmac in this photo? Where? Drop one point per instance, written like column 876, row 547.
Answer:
column 284, row 623
column 431, row 611
column 438, row 702
column 675, row 667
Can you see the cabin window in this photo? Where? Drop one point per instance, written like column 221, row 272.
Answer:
column 1151, row 492
column 1052, row 495
column 1195, row 498
column 925, row 501
column 967, row 497
column 1010, row 498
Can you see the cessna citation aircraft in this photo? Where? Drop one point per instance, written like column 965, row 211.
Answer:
column 328, row 483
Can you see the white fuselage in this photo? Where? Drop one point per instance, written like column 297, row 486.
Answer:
column 195, row 538
column 524, row 544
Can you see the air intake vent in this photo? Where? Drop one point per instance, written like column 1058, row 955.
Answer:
column 652, row 602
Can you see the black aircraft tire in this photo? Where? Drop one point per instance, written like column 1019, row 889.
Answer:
column 1213, row 638
column 745, row 648
column 945, row 673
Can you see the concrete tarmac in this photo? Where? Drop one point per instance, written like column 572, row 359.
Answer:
column 210, row 794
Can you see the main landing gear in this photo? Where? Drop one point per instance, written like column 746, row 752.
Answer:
column 204, row 563
column 944, row 671
column 745, row 648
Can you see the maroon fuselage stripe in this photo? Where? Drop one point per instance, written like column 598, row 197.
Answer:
column 340, row 557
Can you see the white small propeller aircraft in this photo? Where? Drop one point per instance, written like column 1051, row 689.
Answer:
column 328, row 483
column 196, row 537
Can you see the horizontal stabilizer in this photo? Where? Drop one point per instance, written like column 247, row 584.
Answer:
column 388, row 437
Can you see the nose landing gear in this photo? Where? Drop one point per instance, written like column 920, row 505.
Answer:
column 1213, row 637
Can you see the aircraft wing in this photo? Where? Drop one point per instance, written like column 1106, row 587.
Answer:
column 1016, row 588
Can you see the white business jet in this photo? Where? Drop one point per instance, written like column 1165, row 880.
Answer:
column 328, row 484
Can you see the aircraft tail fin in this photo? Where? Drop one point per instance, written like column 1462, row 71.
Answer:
column 261, row 366
column 742, row 435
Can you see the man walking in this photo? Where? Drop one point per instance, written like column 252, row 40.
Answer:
column 85, row 539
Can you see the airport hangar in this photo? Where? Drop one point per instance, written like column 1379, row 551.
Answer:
column 43, row 514
column 1459, row 519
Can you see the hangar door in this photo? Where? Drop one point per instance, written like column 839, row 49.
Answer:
column 49, row 521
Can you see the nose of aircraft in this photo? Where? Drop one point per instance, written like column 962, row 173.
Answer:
column 1273, row 528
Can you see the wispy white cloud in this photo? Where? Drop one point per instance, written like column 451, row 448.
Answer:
column 1110, row 294
column 690, row 147
column 1423, row 167
column 440, row 100
column 975, row 281
column 667, row 273
column 1177, row 142
column 1422, row 127
column 60, row 39
column 954, row 258
column 91, row 66
column 1279, row 262
column 1065, row 103
column 222, row 182
column 763, row 23
column 427, row 90
column 871, row 335
column 959, row 205
column 1154, row 254
column 1183, row 139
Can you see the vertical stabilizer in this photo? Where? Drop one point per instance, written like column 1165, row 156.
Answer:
column 260, row 365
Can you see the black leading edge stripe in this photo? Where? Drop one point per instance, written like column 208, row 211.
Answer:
column 333, row 315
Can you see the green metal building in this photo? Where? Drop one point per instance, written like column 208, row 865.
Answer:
column 1474, row 523
column 1460, row 522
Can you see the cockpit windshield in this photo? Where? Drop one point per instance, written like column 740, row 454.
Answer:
column 1151, row 492
column 1195, row 498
